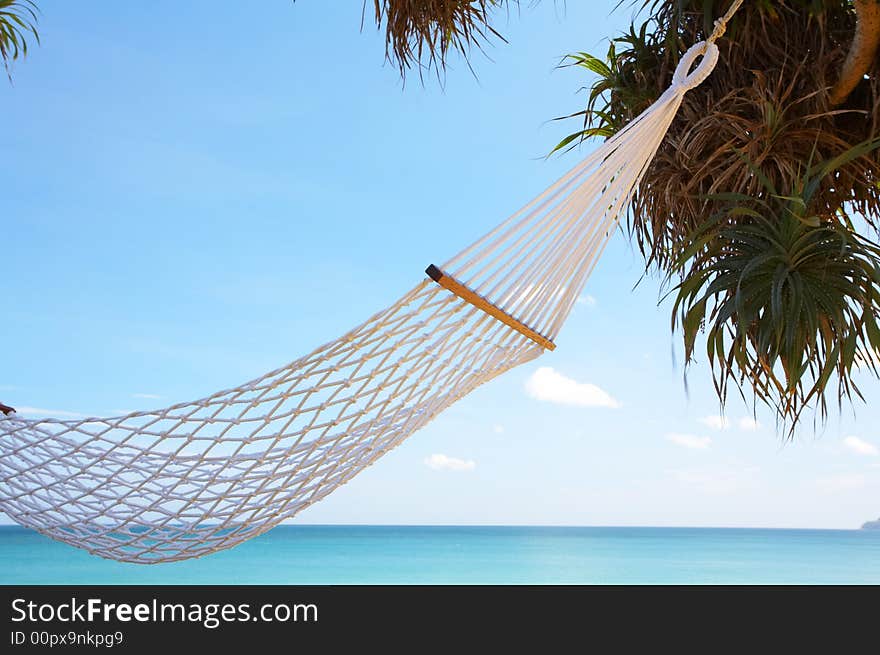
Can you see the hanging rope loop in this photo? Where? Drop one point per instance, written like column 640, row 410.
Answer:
column 687, row 79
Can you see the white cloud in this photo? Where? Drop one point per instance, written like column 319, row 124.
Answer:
column 716, row 422
column 843, row 482
column 861, row 447
column 51, row 413
column 552, row 387
column 691, row 441
column 749, row 424
column 440, row 462
column 587, row 299
column 498, row 428
column 146, row 396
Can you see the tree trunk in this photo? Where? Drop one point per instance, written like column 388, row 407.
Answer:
column 861, row 52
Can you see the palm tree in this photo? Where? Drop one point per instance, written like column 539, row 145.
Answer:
column 18, row 20
column 761, row 203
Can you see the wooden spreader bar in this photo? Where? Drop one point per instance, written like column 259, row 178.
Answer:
column 451, row 284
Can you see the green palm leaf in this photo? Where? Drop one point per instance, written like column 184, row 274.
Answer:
column 18, row 23
column 788, row 304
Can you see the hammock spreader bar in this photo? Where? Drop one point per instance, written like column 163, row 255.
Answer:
column 451, row 284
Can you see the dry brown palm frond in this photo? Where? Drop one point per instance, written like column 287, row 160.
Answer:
column 766, row 104
column 421, row 34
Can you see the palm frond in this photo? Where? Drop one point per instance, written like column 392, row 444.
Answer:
column 18, row 24
column 788, row 301
column 421, row 34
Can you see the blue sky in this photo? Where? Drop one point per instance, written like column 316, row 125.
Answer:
column 197, row 193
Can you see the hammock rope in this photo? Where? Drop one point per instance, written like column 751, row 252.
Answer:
column 199, row 477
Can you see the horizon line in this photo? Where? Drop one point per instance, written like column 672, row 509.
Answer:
column 528, row 525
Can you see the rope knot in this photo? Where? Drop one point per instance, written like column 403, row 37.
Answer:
column 721, row 23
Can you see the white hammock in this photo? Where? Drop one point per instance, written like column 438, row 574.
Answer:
column 199, row 477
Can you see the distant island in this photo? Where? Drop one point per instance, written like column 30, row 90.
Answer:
column 872, row 525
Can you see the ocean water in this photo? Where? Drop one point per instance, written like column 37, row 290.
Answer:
column 475, row 555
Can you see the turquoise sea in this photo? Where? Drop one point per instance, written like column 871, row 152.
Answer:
column 478, row 555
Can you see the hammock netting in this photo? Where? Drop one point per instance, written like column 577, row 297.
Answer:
column 199, row 477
